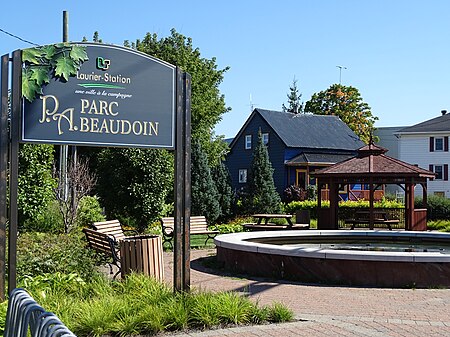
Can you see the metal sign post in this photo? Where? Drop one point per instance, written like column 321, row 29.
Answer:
column 4, row 146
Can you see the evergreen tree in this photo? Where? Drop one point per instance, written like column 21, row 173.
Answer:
column 295, row 104
column 263, row 197
column 222, row 178
column 204, row 195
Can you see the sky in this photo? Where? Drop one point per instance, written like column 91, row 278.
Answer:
column 395, row 52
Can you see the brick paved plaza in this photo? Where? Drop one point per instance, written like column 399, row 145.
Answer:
column 327, row 310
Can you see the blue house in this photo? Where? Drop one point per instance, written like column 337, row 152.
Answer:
column 297, row 144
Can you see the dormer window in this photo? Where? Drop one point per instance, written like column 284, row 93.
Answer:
column 248, row 142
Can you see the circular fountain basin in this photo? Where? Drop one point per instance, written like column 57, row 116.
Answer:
column 341, row 257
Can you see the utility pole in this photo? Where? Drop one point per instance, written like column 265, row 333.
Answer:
column 340, row 73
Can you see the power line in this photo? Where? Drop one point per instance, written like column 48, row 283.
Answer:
column 18, row 37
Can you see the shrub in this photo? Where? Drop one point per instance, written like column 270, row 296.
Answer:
column 230, row 228
column 311, row 205
column 35, row 183
column 49, row 221
column 44, row 253
column 294, row 193
column 89, row 211
column 438, row 208
column 439, row 225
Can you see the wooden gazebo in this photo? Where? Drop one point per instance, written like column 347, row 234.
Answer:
column 372, row 167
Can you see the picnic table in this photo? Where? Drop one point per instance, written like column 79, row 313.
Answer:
column 266, row 225
column 379, row 218
column 267, row 217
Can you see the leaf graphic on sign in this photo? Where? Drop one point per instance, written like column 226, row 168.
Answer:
column 65, row 67
column 62, row 59
column 31, row 55
column 29, row 86
column 40, row 75
column 78, row 54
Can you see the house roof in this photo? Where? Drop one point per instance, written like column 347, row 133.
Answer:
column 437, row 124
column 317, row 158
column 308, row 130
column 372, row 161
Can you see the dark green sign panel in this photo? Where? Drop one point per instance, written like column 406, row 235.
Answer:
column 99, row 95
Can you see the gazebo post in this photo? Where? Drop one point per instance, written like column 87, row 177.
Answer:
column 334, row 204
column 409, row 206
column 371, row 197
column 424, row 195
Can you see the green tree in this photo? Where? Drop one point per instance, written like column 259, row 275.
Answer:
column 35, row 183
column 207, row 103
column 295, row 104
column 262, row 196
column 222, row 179
column 133, row 184
column 204, row 193
column 346, row 103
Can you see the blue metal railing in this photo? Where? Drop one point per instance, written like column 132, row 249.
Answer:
column 25, row 314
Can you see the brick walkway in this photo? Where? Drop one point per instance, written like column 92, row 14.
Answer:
column 327, row 310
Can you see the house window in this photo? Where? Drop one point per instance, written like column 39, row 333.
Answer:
column 242, row 176
column 439, row 194
column 248, row 142
column 265, row 138
column 439, row 144
column 439, row 170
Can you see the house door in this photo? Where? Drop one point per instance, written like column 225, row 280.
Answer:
column 300, row 180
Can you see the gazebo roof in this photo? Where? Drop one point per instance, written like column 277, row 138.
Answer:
column 371, row 161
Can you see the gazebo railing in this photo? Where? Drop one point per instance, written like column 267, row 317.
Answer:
column 391, row 213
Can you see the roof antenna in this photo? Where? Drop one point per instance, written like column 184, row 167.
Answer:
column 252, row 105
column 340, row 73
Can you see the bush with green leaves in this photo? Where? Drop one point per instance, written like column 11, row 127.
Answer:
column 133, row 184
column 439, row 225
column 89, row 211
column 438, row 208
column 49, row 221
column 311, row 205
column 45, row 253
column 35, row 183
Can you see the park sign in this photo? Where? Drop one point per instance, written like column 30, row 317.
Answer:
column 97, row 95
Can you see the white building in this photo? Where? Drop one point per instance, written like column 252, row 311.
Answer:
column 426, row 145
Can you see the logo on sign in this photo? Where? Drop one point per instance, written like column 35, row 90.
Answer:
column 103, row 64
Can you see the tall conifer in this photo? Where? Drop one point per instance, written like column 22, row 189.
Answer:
column 222, row 179
column 263, row 196
column 203, row 190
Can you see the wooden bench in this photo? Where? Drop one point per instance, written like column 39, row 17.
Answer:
column 198, row 225
column 106, row 246
column 113, row 228
column 380, row 218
